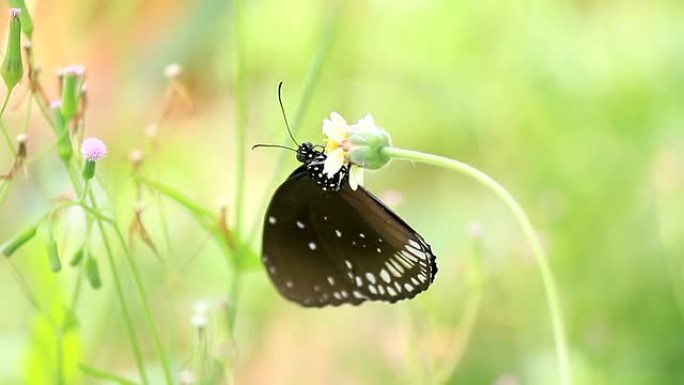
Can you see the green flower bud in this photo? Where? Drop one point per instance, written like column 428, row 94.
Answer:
column 26, row 22
column 72, row 82
column 78, row 257
column 64, row 147
column 366, row 143
column 53, row 256
column 89, row 170
column 93, row 273
column 12, row 68
column 8, row 248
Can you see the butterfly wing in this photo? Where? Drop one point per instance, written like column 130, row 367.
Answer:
column 329, row 248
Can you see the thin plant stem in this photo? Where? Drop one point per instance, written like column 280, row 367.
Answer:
column 147, row 310
column 327, row 38
column 122, row 302
column 324, row 45
column 549, row 283
column 27, row 118
column 137, row 280
column 81, row 266
column 241, row 113
column 4, row 188
column 6, row 134
column 102, row 375
column 137, row 351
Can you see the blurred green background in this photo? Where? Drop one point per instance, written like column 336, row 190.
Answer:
column 577, row 107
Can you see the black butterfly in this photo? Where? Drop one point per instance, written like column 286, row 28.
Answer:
column 326, row 244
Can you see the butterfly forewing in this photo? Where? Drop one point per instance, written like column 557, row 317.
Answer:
column 329, row 248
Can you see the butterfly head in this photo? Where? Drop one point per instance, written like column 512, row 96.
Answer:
column 306, row 152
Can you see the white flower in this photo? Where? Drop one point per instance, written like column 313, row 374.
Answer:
column 338, row 145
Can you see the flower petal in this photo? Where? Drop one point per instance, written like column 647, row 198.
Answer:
column 335, row 128
column 334, row 162
column 355, row 177
column 366, row 123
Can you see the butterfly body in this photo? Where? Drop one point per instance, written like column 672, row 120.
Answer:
column 313, row 160
column 326, row 244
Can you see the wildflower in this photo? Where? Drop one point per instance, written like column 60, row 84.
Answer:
column 12, row 68
column 26, row 22
column 92, row 150
column 358, row 146
column 64, row 146
column 72, row 86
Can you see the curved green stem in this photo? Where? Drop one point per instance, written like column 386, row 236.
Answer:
column 8, row 139
column 557, row 324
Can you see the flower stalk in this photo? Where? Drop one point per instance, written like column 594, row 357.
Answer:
column 549, row 283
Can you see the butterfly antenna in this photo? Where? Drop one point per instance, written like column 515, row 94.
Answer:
column 282, row 109
column 273, row 146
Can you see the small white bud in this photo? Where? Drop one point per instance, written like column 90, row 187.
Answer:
column 173, row 70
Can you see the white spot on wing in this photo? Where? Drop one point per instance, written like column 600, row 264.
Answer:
column 384, row 275
column 338, row 233
column 408, row 287
column 359, row 282
column 402, row 260
column 312, row 245
column 397, row 266
column 370, row 277
column 272, row 220
column 391, row 291
column 331, row 280
column 346, row 262
column 362, row 235
column 301, row 224
column 392, row 270
column 371, row 288
column 289, row 283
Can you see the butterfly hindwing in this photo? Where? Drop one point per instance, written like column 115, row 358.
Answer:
column 334, row 247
